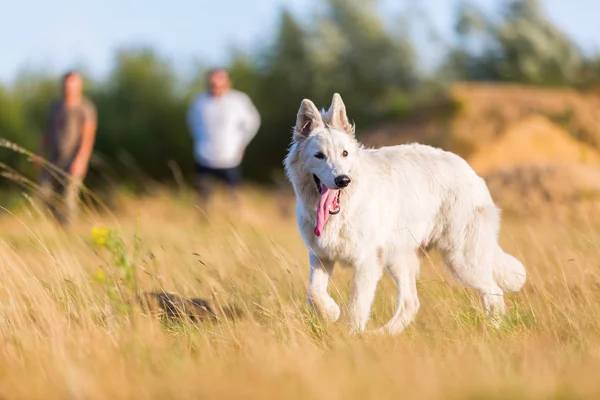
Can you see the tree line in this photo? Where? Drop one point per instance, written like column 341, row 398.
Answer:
column 345, row 47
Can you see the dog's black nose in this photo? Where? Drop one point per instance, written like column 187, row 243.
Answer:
column 342, row 181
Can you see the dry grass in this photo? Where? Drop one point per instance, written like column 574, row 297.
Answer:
column 557, row 191
column 64, row 335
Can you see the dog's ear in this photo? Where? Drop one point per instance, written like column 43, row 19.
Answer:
column 336, row 115
column 308, row 119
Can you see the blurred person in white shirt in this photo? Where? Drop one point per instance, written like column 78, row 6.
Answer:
column 222, row 122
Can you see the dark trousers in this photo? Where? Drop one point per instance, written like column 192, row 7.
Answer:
column 60, row 196
column 206, row 176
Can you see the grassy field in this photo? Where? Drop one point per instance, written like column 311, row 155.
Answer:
column 68, row 331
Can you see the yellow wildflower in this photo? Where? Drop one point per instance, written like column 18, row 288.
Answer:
column 99, row 235
column 99, row 276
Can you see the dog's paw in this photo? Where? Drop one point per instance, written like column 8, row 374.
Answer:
column 495, row 321
column 331, row 312
column 392, row 329
column 327, row 308
column 376, row 332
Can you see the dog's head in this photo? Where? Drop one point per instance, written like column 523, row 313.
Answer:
column 325, row 149
column 328, row 144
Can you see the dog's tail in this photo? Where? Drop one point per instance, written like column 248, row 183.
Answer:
column 509, row 273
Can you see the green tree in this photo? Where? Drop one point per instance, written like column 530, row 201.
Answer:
column 357, row 56
column 523, row 45
column 286, row 78
column 13, row 128
column 142, row 122
column 532, row 49
column 23, row 117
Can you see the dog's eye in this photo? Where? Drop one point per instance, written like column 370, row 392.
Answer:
column 320, row 155
column 345, row 154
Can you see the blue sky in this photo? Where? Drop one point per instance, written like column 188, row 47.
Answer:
column 59, row 34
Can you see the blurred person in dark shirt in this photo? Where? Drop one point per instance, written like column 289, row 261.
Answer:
column 67, row 143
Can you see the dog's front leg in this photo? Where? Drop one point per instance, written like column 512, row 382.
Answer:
column 366, row 277
column 320, row 270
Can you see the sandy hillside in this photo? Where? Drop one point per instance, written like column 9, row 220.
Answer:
column 533, row 140
column 547, row 190
column 487, row 110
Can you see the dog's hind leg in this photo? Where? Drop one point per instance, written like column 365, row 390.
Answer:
column 470, row 253
column 318, row 297
column 404, row 271
column 476, row 273
column 366, row 277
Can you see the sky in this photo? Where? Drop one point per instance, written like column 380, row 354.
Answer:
column 56, row 35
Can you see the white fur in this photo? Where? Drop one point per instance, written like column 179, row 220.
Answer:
column 402, row 199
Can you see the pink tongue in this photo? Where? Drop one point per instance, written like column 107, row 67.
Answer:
column 327, row 198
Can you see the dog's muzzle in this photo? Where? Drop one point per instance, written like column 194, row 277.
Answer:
column 342, row 181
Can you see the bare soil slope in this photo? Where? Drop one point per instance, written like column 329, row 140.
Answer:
column 533, row 140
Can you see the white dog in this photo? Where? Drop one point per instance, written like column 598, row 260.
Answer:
column 376, row 208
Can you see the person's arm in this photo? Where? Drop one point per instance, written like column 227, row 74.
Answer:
column 88, row 137
column 251, row 118
column 192, row 117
